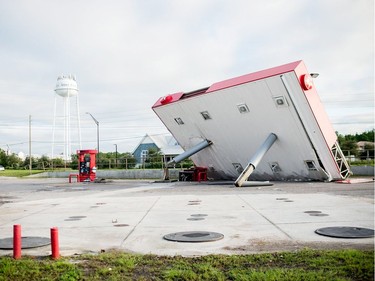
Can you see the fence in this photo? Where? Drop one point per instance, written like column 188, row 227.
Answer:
column 362, row 157
column 130, row 163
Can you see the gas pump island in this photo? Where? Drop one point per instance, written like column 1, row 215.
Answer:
column 86, row 165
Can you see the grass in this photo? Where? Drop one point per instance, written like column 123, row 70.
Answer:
column 19, row 173
column 362, row 163
column 303, row 265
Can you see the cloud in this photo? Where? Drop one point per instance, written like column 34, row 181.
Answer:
column 127, row 54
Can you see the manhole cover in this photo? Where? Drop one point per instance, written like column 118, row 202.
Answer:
column 195, row 219
column 194, row 236
column 346, row 232
column 26, row 242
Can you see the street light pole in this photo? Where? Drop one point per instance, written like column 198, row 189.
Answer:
column 30, row 159
column 116, row 156
column 97, row 133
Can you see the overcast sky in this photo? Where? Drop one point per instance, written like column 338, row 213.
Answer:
column 126, row 54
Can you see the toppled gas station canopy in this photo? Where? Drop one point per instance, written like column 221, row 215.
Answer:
column 237, row 115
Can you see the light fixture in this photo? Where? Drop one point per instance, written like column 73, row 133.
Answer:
column 310, row 165
column 243, row 108
column 205, row 115
column 306, row 82
column 179, row 121
column 275, row 167
column 280, row 101
column 166, row 99
column 97, row 134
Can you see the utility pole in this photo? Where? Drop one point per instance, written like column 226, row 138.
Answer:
column 116, row 156
column 30, row 162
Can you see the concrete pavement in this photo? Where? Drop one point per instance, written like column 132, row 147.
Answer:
column 134, row 216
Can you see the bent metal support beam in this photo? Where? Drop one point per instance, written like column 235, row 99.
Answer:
column 254, row 161
column 198, row 147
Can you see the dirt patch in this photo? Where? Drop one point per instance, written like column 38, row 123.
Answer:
column 5, row 199
column 263, row 246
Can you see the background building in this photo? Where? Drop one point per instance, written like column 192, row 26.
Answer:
column 165, row 144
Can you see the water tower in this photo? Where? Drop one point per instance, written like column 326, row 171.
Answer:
column 66, row 116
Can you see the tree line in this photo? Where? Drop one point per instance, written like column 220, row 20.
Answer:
column 110, row 160
column 348, row 144
column 106, row 160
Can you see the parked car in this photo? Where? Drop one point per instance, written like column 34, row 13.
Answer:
column 2, row 168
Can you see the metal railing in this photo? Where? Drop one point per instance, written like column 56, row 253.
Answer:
column 148, row 163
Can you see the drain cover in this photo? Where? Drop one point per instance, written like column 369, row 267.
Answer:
column 318, row 215
column 346, row 232
column 312, row 212
column 26, row 242
column 195, row 219
column 75, row 218
column 199, row 215
column 194, row 236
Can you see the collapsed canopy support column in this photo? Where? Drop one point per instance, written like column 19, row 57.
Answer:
column 255, row 160
column 184, row 155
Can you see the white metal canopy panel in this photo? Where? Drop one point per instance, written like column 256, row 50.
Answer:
column 238, row 114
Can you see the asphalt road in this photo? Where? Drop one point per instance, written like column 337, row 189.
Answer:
column 134, row 215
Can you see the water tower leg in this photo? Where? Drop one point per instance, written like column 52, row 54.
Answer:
column 53, row 129
column 79, row 123
column 65, row 128
column 254, row 161
column 69, row 138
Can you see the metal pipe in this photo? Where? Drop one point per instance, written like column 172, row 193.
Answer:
column 254, row 161
column 55, row 249
column 256, row 183
column 184, row 155
column 190, row 152
column 259, row 154
column 17, row 241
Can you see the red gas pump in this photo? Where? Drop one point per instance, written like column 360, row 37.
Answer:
column 87, row 165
